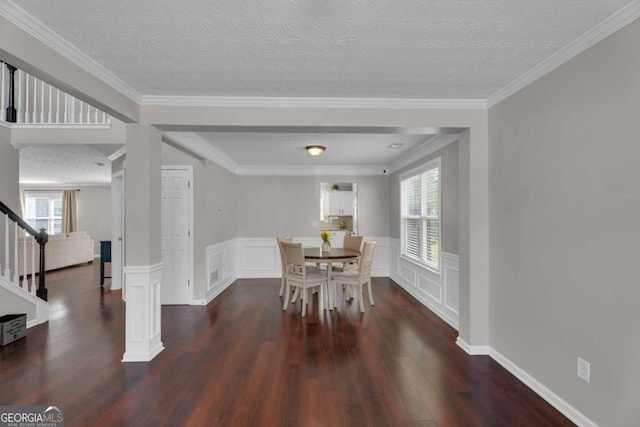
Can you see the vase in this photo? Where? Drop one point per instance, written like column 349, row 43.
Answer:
column 325, row 247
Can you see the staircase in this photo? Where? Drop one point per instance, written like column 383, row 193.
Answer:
column 21, row 294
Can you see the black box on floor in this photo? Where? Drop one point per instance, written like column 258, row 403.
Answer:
column 12, row 328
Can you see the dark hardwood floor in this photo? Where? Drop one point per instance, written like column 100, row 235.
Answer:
column 242, row 361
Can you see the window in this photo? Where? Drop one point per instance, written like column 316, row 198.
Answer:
column 420, row 214
column 44, row 210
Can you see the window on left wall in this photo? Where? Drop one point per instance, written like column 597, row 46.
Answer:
column 44, row 210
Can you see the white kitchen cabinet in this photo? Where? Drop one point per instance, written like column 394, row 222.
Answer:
column 341, row 203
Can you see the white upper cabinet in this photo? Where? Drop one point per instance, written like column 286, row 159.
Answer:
column 341, row 203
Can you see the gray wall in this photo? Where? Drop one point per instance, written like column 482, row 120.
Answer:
column 9, row 161
column 213, row 186
column 449, row 179
column 94, row 211
column 564, row 246
column 94, row 214
column 271, row 206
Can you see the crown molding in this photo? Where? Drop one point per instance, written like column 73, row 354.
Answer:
column 119, row 153
column 433, row 144
column 285, row 170
column 200, row 147
column 604, row 29
column 61, row 185
column 304, row 102
column 17, row 16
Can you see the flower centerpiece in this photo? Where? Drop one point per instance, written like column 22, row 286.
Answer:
column 326, row 242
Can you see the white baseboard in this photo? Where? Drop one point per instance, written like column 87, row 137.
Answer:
column 556, row 401
column 473, row 350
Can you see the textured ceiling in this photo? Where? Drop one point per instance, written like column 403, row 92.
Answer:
column 382, row 49
column 417, row 49
column 66, row 164
column 288, row 149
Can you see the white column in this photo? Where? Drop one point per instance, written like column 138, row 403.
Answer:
column 142, row 330
column 142, row 239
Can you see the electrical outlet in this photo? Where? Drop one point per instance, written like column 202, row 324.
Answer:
column 584, row 369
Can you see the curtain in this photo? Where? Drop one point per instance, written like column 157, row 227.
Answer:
column 69, row 211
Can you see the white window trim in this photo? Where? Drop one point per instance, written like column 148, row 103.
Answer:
column 437, row 162
column 53, row 194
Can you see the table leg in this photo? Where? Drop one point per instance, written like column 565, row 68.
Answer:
column 330, row 287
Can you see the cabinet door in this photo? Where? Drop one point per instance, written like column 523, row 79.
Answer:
column 335, row 204
column 346, row 202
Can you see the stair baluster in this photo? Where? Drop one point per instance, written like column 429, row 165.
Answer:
column 40, row 237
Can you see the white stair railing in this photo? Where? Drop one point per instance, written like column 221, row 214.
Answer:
column 20, row 241
column 39, row 103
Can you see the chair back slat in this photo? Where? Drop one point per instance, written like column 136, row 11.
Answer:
column 294, row 260
column 353, row 242
column 366, row 260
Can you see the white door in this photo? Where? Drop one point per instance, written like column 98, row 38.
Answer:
column 176, row 236
column 117, row 243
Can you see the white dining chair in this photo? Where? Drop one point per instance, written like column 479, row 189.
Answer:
column 281, row 239
column 357, row 278
column 350, row 242
column 297, row 276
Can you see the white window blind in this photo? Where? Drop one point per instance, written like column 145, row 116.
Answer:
column 420, row 214
column 44, row 210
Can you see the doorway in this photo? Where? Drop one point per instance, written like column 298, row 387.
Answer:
column 117, row 243
column 175, row 236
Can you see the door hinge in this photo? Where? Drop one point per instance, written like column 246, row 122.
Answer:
column 188, row 283
column 188, row 184
column 189, row 233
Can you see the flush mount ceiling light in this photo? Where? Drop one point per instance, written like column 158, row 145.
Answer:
column 315, row 150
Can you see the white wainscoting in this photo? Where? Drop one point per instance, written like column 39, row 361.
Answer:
column 438, row 291
column 221, row 268
column 259, row 257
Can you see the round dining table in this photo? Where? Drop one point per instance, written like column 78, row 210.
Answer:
column 338, row 255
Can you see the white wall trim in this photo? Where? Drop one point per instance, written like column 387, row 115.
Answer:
column 624, row 16
column 200, row 147
column 41, row 307
column 195, row 144
column 142, row 314
column 432, row 289
column 309, row 102
column 259, row 257
column 540, row 389
column 57, row 126
column 473, row 350
column 121, row 152
column 435, row 143
column 14, row 14
column 556, row 401
column 284, row 170
column 220, row 260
